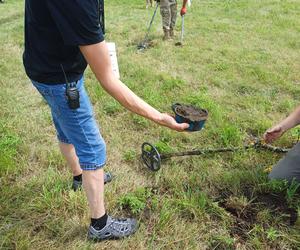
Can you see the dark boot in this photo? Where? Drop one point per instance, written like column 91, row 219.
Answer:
column 166, row 35
column 171, row 33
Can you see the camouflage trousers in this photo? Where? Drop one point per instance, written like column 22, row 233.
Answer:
column 168, row 11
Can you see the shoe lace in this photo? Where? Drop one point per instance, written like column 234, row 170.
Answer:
column 119, row 225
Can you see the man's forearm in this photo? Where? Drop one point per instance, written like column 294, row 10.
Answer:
column 97, row 57
column 184, row 2
column 292, row 120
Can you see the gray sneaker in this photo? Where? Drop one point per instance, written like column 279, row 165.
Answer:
column 78, row 184
column 114, row 229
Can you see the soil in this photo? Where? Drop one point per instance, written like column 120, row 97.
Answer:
column 144, row 44
column 245, row 217
column 190, row 112
column 178, row 44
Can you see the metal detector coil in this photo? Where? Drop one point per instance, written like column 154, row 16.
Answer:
column 151, row 157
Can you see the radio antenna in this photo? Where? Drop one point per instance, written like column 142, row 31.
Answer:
column 64, row 73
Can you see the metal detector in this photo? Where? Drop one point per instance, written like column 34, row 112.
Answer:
column 144, row 45
column 152, row 158
column 180, row 43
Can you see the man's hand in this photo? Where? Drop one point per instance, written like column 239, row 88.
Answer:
column 183, row 11
column 169, row 121
column 273, row 134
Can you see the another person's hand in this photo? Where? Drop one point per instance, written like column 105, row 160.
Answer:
column 273, row 133
column 169, row 121
column 183, row 11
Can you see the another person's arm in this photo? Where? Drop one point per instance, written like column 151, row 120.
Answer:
column 98, row 58
column 183, row 8
column 278, row 130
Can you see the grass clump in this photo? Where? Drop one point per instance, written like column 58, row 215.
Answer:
column 135, row 201
column 9, row 143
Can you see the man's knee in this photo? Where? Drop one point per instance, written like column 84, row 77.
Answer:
column 275, row 176
column 280, row 174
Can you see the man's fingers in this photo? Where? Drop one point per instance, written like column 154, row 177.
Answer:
column 181, row 126
column 272, row 134
column 185, row 125
column 276, row 129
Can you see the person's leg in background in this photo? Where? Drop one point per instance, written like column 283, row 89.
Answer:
column 166, row 18
column 173, row 9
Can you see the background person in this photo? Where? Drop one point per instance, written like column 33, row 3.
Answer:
column 288, row 168
column 168, row 11
column 63, row 35
column 149, row 3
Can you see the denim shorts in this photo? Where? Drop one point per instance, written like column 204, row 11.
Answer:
column 75, row 126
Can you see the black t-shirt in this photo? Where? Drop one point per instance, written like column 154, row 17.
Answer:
column 53, row 31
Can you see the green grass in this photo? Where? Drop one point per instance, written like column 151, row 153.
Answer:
column 240, row 60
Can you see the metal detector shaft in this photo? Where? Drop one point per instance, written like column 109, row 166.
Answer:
column 180, row 43
column 152, row 19
column 201, row 152
column 182, row 29
column 222, row 150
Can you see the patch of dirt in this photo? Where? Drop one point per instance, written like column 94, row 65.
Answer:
column 149, row 43
column 245, row 212
column 190, row 112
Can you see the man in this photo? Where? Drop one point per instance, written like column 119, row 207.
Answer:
column 62, row 37
column 288, row 168
column 168, row 11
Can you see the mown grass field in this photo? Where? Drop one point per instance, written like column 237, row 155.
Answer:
column 240, row 60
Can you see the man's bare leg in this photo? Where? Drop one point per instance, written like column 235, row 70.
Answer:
column 69, row 153
column 93, row 181
column 93, row 184
column 103, row 226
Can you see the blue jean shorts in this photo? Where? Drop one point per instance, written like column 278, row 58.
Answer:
column 75, row 126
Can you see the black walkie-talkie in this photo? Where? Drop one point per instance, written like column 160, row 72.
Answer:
column 72, row 93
